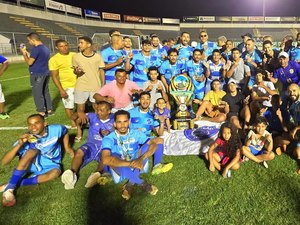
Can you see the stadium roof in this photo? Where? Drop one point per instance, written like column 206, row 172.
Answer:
column 178, row 9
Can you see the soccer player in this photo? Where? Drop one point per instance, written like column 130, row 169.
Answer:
column 184, row 49
column 206, row 45
column 253, row 59
column 121, row 151
column 242, row 46
column 100, row 125
column 37, row 61
column 141, row 63
column 196, row 71
column 270, row 57
column 157, row 50
column 128, row 47
column 4, row 66
column 60, row 66
column 113, row 58
column 171, row 67
column 40, row 156
column 295, row 52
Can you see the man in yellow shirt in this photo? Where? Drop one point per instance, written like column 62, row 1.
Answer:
column 60, row 66
column 212, row 104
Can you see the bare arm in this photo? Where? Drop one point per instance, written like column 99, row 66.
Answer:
column 210, row 156
column 66, row 144
column 4, row 67
column 55, row 77
column 26, row 57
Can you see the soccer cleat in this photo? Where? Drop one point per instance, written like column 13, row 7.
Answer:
column 104, row 179
column 8, row 198
column 265, row 164
column 149, row 188
column 69, row 179
column 4, row 116
column 2, row 187
column 127, row 190
column 161, row 168
column 92, row 180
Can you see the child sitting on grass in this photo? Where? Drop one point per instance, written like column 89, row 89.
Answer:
column 224, row 153
column 259, row 143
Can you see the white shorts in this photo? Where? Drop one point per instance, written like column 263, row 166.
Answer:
column 2, row 99
column 82, row 96
column 69, row 102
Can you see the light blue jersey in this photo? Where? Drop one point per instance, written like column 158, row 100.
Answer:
column 50, row 150
column 126, row 146
column 141, row 65
column 109, row 56
column 210, row 47
column 143, row 121
column 159, row 52
column 295, row 54
column 195, row 71
column 168, row 70
column 185, row 52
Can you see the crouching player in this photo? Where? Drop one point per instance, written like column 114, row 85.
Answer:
column 40, row 156
column 126, row 152
column 101, row 124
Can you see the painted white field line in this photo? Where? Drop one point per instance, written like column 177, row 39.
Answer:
column 25, row 128
column 15, row 78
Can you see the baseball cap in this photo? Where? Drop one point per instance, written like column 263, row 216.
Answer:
column 283, row 54
column 231, row 80
column 247, row 35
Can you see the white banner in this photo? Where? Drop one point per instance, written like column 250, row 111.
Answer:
column 239, row 18
column 272, row 19
column 170, row 21
column 55, row 5
column 207, row 18
column 73, row 9
column 256, row 18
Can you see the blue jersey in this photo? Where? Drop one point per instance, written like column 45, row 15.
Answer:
column 96, row 126
column 159, row 52
column 168, row 70
column 185, row 52
column 133, row 51
column 195, row 71
column 143, row 121
column 109, row 56
column 210, row 47
column 126, row 146
column 295, row 54
column 49, row 144
column 2, row 59
column 215, row 70
column 256, row 56
column 41, row 54
column 141, row 65
column 288, row 75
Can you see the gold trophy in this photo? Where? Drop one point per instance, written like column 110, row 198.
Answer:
column 182, row 89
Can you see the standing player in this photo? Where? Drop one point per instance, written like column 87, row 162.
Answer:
column 60, row 66
column 206, row 45
column 3, row 114
column 100, row 125
column 184, row 49
column 157, row 50
column 40, row 156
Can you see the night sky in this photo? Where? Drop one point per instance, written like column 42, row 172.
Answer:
column 178, row 9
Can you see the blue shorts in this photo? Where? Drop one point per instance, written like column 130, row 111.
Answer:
column 42, row 165
column 256, row 152
column 91, row 152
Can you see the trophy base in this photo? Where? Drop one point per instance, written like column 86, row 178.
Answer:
column 183, row 124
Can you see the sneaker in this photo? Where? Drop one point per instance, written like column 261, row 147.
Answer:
column 8, row 198
column 161, row 168
column 4, row 116
column 149, row 188
column 265, row 164
column 69, row 179
column 278, row 151
column 50, row 113
column 92, row 180
column 127, row 191
column 228, row 173
column 104, row 179
column 245, row 159
column 2, row 187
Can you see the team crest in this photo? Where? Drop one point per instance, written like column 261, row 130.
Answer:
column 291, row 71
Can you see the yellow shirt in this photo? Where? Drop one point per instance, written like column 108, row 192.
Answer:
column 63, row 63
column 214, row 97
